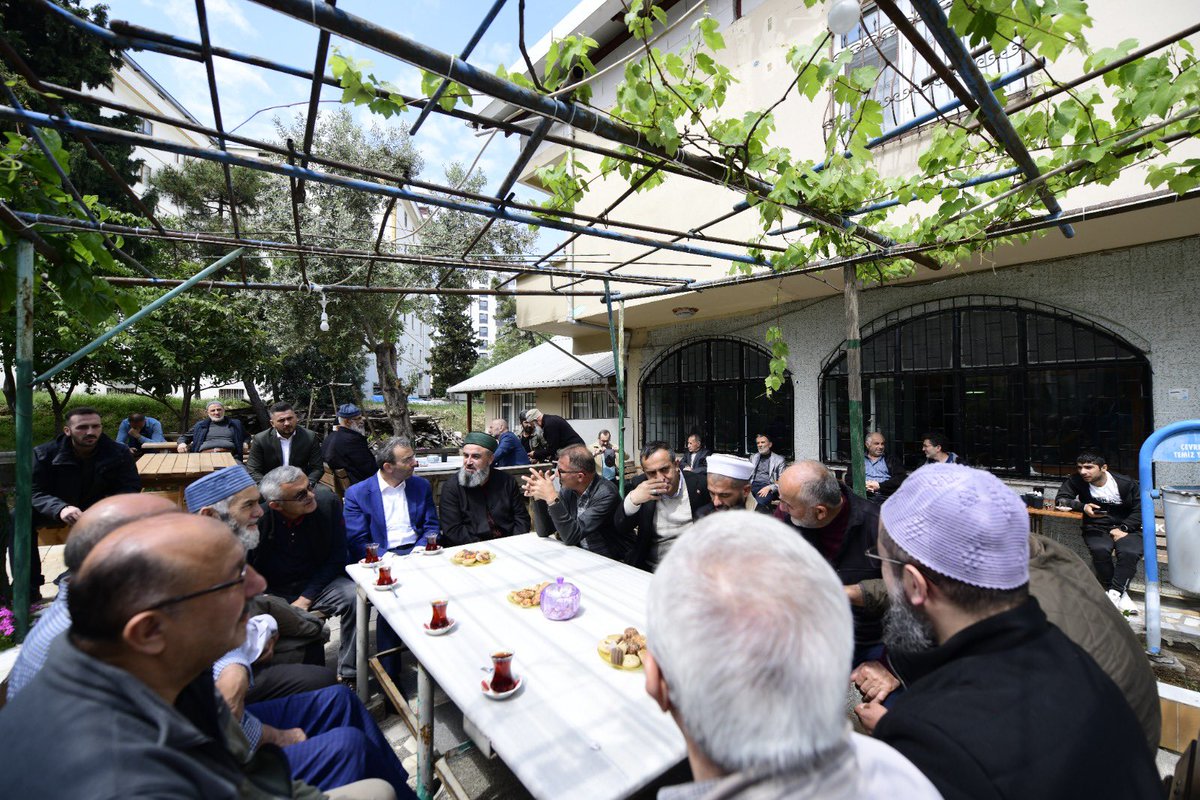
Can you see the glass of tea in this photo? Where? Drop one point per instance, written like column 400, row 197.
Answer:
column 440, row 620
column 431, row 543
column 372, row 553
column 385, row 576
column 502, row 678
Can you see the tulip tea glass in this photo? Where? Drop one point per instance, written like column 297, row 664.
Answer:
column 440, row 620
column 385, row 576
column 372, row 553
column 502, row 678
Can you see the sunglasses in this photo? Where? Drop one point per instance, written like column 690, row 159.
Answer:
column 170, row 601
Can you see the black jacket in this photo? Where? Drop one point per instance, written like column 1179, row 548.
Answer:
column 1011, row 708
column 348, row 450
column 266, row 453
column 850, row 562
column 558, row 434
column 463, row 513
column 200, row 433
column 587, row 520
column 305, row 559
column 1126, row 515
column 698, row 460
column 696, row 486
column 58, row 477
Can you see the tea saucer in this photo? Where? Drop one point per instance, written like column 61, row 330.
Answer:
column 441, row 631
column 425, row 552
column 372, row 565
column 486, row 688
column 391, row 587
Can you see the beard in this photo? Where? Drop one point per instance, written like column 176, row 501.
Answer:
column 247, row 534
column 470, row 480
column 905, row 628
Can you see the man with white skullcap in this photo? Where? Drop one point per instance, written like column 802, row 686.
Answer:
column 728, row 481
column 999, row 702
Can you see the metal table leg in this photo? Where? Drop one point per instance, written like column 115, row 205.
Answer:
column 425, row 687
column 362, row 624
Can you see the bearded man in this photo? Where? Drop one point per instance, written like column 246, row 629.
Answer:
column 478, row 502
column 346, row 446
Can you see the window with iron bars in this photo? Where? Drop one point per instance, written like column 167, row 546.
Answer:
column 513, row 405
column 907, row 86
column 1017, row 387
column 231, row 394
column 592, row 404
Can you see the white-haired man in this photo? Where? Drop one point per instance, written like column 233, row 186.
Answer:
column 770, row 722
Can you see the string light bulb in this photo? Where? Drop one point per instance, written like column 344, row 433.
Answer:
column 319, row 289
column 843, row 16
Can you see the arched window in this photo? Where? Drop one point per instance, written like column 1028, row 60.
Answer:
column 1017, row 387
column 715, row 386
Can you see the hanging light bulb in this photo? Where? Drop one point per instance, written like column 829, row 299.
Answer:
column 843, row 16
column 319, row 289
column 324, row 322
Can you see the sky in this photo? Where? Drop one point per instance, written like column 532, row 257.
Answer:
column 250, row 96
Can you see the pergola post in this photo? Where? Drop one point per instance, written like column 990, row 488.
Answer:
column 23, row 511
column 854, row 381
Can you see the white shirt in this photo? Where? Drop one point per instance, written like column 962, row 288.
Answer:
column 400, row 531
column 1108, row 493
column 286, row 446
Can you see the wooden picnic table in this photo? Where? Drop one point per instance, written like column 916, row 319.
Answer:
column 179, row 469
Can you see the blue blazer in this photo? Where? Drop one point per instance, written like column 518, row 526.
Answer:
column 509, row 453
column 365, row 520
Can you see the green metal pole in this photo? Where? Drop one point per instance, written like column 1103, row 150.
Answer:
column 854, row 382
column 23, row 513
column 91, row 347
column 618, row 368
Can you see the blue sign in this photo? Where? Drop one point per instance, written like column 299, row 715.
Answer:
column 1180, row 447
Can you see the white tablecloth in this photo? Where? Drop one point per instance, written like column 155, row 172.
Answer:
column 578, row 727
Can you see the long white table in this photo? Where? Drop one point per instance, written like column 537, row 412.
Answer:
column 578, row 727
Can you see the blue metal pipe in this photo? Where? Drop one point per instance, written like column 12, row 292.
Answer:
column 992, row 113
column 976, row 181
column 288, row 170
column 466, row 52
column 1149, row 538
column 115, row 39
column 133, row 318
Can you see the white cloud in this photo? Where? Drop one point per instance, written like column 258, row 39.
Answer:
column 180, row 16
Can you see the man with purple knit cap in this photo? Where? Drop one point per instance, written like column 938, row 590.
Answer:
column 999, row 703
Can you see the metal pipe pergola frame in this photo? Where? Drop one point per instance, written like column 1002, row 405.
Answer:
column 959, row 72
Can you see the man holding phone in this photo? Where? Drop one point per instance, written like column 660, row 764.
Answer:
column 1112, row 522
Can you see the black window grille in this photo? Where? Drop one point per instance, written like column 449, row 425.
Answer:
column 1017, row 387
column 715, row 387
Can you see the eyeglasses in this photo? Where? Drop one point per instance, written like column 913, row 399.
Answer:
column 170, row 601
column 569, row 471
column 873, row 554
column 300, row 497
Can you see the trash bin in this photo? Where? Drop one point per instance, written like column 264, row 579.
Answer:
column 1181, row 509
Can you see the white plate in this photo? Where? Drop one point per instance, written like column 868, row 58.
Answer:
column 487, row 690
column 391, row 587
column 437, row 552
column 441, row 631
column 372, row 565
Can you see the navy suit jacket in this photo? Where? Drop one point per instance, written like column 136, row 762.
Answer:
column 365, row 519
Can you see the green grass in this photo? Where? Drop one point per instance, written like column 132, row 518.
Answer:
column 112, row 407
column 453, row 416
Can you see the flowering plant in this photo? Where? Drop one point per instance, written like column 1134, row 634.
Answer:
column 7, row 629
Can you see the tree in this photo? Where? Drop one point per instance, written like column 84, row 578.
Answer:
column 333, row 215
column 62, row 54
column 453, row 353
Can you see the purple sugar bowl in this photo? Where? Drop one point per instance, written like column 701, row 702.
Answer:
column 560, row 601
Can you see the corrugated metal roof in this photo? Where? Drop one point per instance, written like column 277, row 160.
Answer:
column 540, row 367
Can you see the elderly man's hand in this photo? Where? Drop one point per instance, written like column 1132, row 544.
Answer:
column 70, row 515
column 872, row 486
column 869, row 714
column 181, row 448
column 874, row 681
